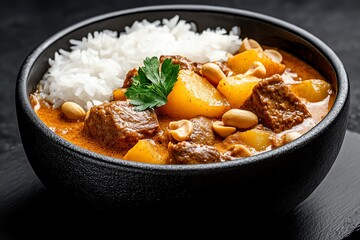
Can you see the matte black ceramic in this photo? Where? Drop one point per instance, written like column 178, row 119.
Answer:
column 277, row 180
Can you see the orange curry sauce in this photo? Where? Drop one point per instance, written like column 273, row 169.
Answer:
column 73, row 130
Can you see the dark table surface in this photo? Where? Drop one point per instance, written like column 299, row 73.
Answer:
column 26, row 207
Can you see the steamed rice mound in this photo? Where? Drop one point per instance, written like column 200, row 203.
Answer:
column 98, row 63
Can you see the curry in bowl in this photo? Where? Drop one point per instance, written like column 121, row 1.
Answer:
column 180, row 109
column 91, row 72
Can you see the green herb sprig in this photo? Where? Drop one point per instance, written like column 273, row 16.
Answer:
column 152, row 85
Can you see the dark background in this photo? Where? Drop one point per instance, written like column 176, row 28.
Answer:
column 25, row 24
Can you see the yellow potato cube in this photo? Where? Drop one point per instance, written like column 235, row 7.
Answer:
column 313, row 90
column 258, row 139
column 237, row 89
column 241, row 62
column 147, row 151
column 193, row 95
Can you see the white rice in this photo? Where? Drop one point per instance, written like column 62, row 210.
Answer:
column 97, row 64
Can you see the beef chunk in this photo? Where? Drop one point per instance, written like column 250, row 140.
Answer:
column 185, row 64
column 275, row 105
column 128, row 79
column 162, row 138
column 232, row 139
column 192, row 153
column 118, row 124
column 202, row 132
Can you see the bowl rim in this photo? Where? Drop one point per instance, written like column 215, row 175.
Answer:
column 339, row 103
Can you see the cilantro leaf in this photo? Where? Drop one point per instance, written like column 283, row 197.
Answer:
column 153, row 84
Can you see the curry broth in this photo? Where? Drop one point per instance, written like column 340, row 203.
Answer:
column 72, row 131
column 304, row 71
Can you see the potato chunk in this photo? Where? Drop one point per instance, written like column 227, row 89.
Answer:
column 237, row 88
column 313, row 90
column 258, row 139
column 241, row 62
column 192, row 96
column 147, row 151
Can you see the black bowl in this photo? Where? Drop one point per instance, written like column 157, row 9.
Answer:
column 276, row 180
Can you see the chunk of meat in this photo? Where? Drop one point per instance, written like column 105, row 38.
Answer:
column 162, row 137
column 192, row 153
column 275, row 105
column 203, row 131
column 184, row 62
column 232, row 140
column 118, row 124
column 128, row 79
column 187, row 64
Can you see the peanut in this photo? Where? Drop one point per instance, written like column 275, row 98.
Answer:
column 239, row 150
column 273, row 55
column 291, row 136
column 221, row 130
column 73, row 111
column 212, row 73
column 181, row 130
column 239, row 118
column 248, row 44
column 257, row 69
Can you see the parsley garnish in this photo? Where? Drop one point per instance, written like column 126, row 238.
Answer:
column 153, row 84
